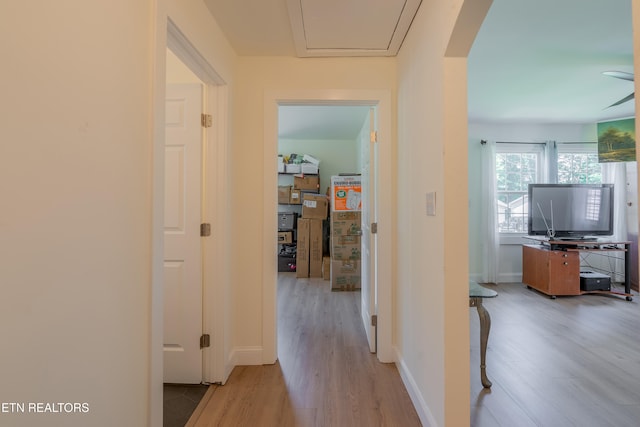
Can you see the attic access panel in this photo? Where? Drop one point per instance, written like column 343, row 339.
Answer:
column 350, row 28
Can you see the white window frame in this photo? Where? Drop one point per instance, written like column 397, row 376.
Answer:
column 507, row 238
column 543, row 172
column 578, row 148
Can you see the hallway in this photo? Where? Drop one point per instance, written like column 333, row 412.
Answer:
column 325, row 375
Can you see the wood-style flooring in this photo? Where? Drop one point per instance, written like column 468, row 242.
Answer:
column 325, row 375
column 572, row 361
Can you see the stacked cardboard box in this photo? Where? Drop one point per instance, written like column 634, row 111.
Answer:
column 346, row 203
column 306, row 182
column 345, row 250
column 310, row 247
column 302, row 254
column 284, row 194
column 314, row 206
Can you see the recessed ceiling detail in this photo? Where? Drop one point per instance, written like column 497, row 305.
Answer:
column 350, row 28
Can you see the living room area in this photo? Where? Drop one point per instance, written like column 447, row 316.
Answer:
column 545, row 82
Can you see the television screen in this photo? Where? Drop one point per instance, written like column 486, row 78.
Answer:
column 571, row 210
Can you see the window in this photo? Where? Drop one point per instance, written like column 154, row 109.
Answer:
column 578, row 164
column 518, row 165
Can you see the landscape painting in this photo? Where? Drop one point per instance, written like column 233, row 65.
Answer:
column 617, row 141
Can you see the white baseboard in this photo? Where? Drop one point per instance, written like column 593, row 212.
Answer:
column 425, row 415
column 502, row 277
column 510, row 277
column 246, row 356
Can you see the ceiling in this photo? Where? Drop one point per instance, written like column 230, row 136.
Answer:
column 316, row 28
column 542, row 62
column 321, row 122
column 532, row 62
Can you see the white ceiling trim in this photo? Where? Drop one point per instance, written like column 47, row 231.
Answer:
column 395, row 36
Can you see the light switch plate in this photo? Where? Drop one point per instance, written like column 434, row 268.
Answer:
column 431, row 203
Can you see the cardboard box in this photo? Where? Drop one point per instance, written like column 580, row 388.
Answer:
column 346, row 193
column 295, row 197
column 326, row 268
column 346, row 224
column 345, row 275
column 314, row 206
column 307, row 182
column 287, row 220
column 285, row 237
column 284, row 194
column 346, row 247
column 315, row 248
column 303, row 247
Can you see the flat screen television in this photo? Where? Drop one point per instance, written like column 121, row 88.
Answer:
column 570, row 211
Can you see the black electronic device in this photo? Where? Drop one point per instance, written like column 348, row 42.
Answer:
column 593, row 281
column 570, row 211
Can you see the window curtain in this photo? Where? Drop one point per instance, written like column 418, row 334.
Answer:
column 550, row 163
column 616, row 173
column 489, row 233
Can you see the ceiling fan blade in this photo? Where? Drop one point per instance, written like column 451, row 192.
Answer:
column 619, row 75
column 623, row 100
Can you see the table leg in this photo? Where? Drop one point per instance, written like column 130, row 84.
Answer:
column 485, row 327
column 627, row 269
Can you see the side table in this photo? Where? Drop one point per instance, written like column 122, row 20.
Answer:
column 476, row 294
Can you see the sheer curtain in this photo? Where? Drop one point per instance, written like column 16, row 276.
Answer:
column 550, row 163
column 490, row 236
column 616, row 173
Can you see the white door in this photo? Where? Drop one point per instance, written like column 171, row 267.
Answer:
column 369, row 282
column 182, row 242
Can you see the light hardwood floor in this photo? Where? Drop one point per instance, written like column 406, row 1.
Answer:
column 325, row 375
column 572, row 361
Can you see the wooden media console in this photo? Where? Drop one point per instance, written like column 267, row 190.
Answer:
column 553, row 267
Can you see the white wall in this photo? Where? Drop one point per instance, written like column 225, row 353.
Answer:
column 81, row 263
column 511, row 250
column 431, row 299
column 257, row 76
column 75, row 233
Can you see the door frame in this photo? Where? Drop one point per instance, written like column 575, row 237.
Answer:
column 214, row 190
column 381, row 99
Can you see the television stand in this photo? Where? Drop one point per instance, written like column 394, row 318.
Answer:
column 553, row 266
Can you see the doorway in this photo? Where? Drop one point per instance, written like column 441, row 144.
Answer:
column 339, row 138
column 213, row 189
column 381, row 101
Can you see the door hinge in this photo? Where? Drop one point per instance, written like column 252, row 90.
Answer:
column 205, row 341
column 374, row 320
column 374, row 228
column 373, row 136
column 205, row 229
column 206, row 120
